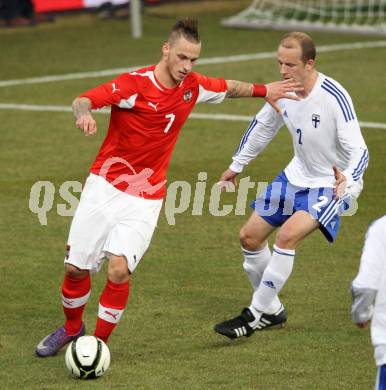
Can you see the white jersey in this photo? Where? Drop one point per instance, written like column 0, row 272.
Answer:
column 372, row 275
column 325, row 132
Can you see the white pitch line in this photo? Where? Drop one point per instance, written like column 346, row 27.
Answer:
column 34, row 107
column 244, row 118
column 203, row 61
column 194, row 115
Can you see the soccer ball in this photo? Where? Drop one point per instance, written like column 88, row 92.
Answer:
column 87, row 357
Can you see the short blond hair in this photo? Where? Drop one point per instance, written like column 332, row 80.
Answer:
column 299, row 39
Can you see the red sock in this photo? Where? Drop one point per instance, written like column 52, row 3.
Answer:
column 75, row 294
column 111, row 305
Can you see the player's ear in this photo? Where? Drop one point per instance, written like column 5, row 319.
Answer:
column 310, row 64
column 165, row 49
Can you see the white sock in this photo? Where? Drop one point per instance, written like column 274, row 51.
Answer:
column 274, row 277
column 254, row 265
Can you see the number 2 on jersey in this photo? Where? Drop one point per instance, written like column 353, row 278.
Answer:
column 171, row 118
column 299, row 131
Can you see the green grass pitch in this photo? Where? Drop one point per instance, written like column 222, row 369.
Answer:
column 192, row 275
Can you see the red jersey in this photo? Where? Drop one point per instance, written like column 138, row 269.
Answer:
column 145, row 121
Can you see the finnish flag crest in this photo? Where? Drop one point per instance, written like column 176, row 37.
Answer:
column 315, row 120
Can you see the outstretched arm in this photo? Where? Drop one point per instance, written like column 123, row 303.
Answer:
column 81, row 107
column 271, row 92
column 258, row 135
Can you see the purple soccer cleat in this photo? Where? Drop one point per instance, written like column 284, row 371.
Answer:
column 52, row 343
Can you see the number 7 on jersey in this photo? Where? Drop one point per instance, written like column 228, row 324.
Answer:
column 171, row 118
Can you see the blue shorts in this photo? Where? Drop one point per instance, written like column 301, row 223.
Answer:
column 282, row 199
column 380, row 383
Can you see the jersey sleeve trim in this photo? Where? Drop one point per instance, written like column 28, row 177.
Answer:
column 362, row 165
column 247, row 133
column 258, row 135
column 210, row 90
column 208, row 96
column 151, row 76
column 112, row 92
column 341, row 98
column 128, row 103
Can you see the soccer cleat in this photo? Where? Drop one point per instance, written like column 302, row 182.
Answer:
column 52, row 343
column 246, row 323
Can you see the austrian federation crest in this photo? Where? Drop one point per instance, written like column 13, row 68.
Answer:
column 315, row 120
column 187, row 96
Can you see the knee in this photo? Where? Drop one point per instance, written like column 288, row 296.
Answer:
column 249, row 241
column 75, row 272
column 117, row 270
column 285, row 239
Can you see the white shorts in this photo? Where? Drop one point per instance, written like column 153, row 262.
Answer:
column 109, row 221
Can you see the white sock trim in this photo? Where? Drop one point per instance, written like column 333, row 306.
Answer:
column 248, row 252
column 285, row 252
column 110, row 315
column 72, row 303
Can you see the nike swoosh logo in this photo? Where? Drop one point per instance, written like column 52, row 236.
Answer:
column 41, row 344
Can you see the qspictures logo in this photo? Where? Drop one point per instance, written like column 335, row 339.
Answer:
column 182, row 196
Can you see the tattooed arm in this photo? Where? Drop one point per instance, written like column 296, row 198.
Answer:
column 81, row 107
column 238, row 89
column 274, row 91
